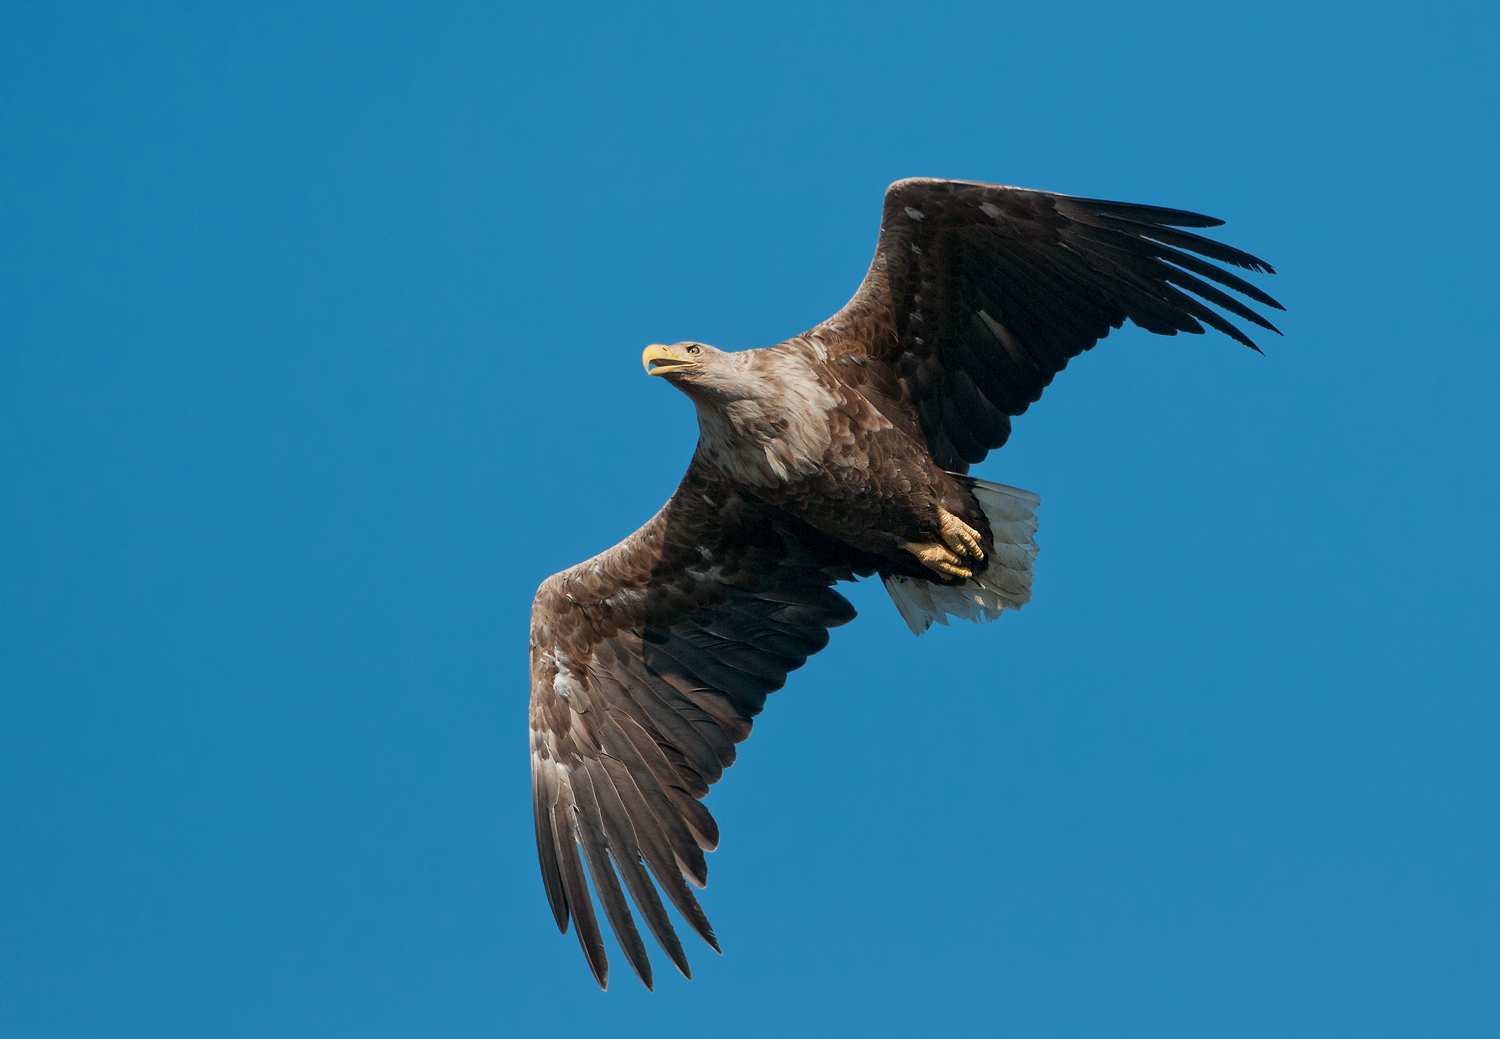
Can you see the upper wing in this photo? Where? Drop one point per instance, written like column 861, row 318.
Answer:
column 647, row 664
column 979, row 294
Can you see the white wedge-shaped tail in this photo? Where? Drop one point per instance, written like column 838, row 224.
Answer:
column 1005, row 583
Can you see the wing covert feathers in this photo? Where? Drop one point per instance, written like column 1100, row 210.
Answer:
column 979, row 294
column 648, row 666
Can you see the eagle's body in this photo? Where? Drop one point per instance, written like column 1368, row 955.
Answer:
column 813, row 438
column 840, row 453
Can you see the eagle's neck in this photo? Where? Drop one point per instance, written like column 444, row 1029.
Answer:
column 774, row 428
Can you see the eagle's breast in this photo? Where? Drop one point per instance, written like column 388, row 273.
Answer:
column 788, row 428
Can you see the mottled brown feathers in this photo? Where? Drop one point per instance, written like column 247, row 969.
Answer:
column 819, row 460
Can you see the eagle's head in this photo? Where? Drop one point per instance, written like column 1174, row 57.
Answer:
column 701, row 371
column 686, row 361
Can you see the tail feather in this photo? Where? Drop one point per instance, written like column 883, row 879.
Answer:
column 1006, row 580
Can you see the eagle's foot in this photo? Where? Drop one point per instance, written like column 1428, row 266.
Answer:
column 961, row 539
column 938, row 557
column 957, row 555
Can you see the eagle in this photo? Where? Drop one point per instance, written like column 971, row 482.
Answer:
column 839, row 454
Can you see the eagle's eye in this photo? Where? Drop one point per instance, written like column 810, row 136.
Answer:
column 693, row 350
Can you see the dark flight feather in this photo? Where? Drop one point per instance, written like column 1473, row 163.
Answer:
column 1147, row 214
column 577, row 890
column 630, row 859
column 543, row 793
column 596, row 852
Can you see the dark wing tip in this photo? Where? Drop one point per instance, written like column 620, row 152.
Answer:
column 1163, row 215
column 546, row 846
column 592, row 942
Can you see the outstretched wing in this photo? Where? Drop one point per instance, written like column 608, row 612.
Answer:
column 648, row 663
column 979, row 294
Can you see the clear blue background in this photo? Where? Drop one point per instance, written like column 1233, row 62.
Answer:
column 319, row 348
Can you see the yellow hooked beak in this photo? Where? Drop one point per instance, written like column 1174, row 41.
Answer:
column 663, row 360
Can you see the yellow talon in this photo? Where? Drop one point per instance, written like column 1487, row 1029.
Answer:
column 960, row 537
column 958, row 552
column 938, row 557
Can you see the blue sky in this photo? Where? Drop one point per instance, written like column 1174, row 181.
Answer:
column 320, row 329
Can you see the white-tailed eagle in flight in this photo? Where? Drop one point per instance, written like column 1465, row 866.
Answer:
column 840, row 453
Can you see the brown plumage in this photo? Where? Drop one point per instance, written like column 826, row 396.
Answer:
column 840, row 453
